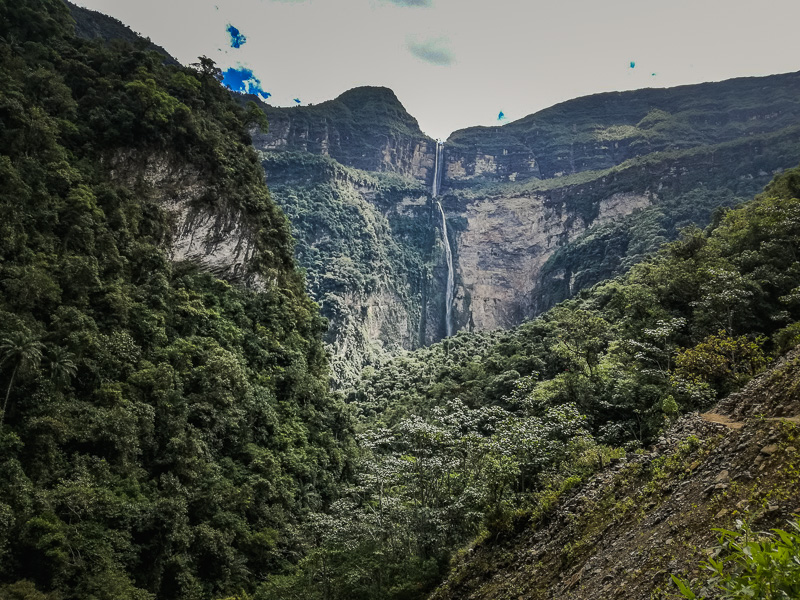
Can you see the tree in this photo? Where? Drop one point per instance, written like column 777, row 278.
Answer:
column 582, row 336
column 722, row 361
column 208, row 68
column 62, row 366
column 24, row 352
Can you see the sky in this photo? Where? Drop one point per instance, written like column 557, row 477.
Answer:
column 459, row 63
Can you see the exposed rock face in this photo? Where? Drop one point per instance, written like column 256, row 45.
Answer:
column 207, row 231
column 369, row 326
column 366, row 128
column 505, row 243
column 506, row 235
column 219, row 241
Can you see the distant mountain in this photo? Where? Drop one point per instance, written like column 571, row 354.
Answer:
column 603, row 130
column 90, row 25
column 366, row 128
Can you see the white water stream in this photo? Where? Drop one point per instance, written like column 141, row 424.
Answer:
column 448, row 296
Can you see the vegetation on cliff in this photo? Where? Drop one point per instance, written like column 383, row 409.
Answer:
column 484, row 431
column 163, row 431
column 366, row 241
column 168, row 434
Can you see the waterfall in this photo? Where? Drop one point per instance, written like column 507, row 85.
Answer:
column 448, row 296
column 437, row 170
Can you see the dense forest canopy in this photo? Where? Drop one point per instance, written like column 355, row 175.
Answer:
column 169, row 434
column 163, row 431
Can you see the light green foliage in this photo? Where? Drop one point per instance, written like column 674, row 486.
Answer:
column 427, row 485
column 750, row 564
column 721, row 360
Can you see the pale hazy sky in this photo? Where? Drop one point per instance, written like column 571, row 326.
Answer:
column 457, row 63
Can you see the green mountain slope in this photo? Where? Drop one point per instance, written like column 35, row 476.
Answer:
column 484, row 435
column 163, row 431
column 90, row 25
column 653, row 514
column 369, row 244
column 603, row 130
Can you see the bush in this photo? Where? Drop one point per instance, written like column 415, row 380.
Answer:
column 751, row 565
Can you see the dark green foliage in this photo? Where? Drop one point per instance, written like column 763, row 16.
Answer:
column 164, row 432
column 90, row 25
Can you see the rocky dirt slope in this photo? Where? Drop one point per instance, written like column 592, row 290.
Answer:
column 650, row 515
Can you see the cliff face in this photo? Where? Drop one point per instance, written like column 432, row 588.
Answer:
column 372, row 255
column 516, row 244
column 536, row 210
column 365, row 128
column 603, row 130
column 505, row 243
column 650, row 515
column 205, row 229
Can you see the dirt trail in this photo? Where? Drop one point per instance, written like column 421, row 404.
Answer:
column 722, row 420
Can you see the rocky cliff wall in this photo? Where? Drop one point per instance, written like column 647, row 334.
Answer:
column 506, row 241
column 371, row 249
column 365, row 128
column 206, row 229
column 512, row 243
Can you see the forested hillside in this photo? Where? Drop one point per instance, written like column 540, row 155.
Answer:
column 483, row 434
column 163, row 431
column 167, row 428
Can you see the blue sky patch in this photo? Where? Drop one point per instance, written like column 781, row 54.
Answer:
column 241, row 79
column 237, row 38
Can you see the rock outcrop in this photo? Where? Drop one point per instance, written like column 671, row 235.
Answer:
column 506, row 236
column 206, row 229
column 366, row 128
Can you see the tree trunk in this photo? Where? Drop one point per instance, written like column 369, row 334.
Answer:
column 8, row 393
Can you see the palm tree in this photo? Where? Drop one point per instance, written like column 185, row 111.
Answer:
column 23, row 351
column 62, row 367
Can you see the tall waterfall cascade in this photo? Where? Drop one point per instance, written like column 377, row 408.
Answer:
column 448, row 296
